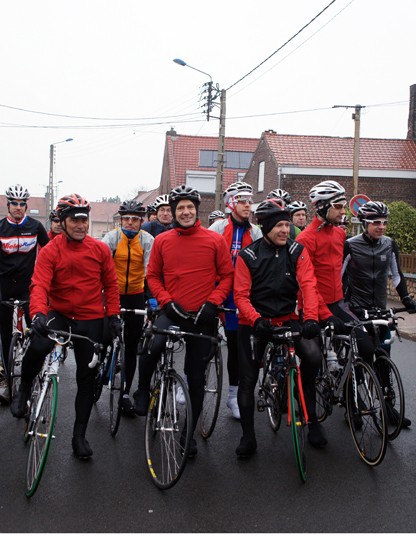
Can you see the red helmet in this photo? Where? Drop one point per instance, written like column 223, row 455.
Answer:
column 73, row 205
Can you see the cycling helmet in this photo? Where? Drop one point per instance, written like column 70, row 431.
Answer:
column 131, row 206
column 327, row 191
column 17, row 191
column 270, row 212
column 215, row 214
column 280, row 194
column 237, row 188
column 160, row 201
column 53, row 215
column 73, row 205
column 150, row 209
column 184, row 192
column 371, row 210
column 296, row 206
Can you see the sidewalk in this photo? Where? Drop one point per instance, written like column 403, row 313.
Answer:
column 407, row 326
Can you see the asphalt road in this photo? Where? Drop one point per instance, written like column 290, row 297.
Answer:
column 113, row 492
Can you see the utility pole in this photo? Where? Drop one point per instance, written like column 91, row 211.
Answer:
column 219, row 203
column 356, row 117
column 50, row 184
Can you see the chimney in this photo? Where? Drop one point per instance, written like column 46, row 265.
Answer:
column 411, row 125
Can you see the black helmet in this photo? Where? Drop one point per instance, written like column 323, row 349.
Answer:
column 73, row 205
column 53, row 215
column 184, row 192
column 371, row 210
column 150, row 209
column 131, row 206
column 269, row 212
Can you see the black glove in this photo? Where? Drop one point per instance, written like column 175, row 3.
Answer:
column 263, row 328
column 409, row 304
column 310, row 329
column 115, row 327
column 206, row 313
column 339, row 326
column 40, row 324
column 175, row 312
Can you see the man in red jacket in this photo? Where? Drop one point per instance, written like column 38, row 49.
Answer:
column 70, row 276
column 189, row 273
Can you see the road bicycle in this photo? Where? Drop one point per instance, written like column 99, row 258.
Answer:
column 386, row 370
column 353, row 385
column 168, row 429
column 43, row 404
column 281, row 391
column 13, row 365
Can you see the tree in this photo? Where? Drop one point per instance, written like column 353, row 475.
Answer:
column 402, row 225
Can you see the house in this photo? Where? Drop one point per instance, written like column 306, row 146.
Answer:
column 102, row 218
column 37, row 208
column 192, row 160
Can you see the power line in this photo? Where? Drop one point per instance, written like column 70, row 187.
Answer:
column 284, row 45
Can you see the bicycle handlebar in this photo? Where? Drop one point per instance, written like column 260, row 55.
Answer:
column 136, row 311
column 55, row 335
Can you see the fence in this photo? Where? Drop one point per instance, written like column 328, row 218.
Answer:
column 408, row 266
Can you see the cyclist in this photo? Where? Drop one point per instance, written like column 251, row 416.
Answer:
column 56, row 228
column 238, row 232
column 151, row 212
column 20, row 236
column 215, row 215
column 72, row 276
column 285, row 196
column 130, row 247
column 270, row 274
column 298, row 213
column 369, row 259
column 189, row 273
column 163, row 220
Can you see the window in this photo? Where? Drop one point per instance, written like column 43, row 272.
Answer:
column 233, row 159
column 260, row 180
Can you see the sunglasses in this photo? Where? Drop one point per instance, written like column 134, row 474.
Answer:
column 338, row 206
column 132, row 218
column 244, row 200
column 377, row 222
column 17, row 204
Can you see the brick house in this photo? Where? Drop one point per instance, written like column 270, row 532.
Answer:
column 192, row 160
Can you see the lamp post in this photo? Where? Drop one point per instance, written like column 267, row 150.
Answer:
column 51, row 163
column 221, row 136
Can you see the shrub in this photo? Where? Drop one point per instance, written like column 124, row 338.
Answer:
column 402, row 225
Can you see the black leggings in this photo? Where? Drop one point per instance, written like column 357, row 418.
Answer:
column 197, row 351
column 40, row 346
column 307, row 350
column 133, row 325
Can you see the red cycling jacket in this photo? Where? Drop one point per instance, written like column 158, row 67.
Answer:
column 71, row 277
column 325, row 244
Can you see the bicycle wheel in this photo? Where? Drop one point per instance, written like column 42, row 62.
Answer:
column 41, row 433
column 275, row 396
column 366, row 412
column 297, row 423
column 168, row 431
column 324, row 395
column 392, row 388
column 117, row 383
column 14, row 366
column 212, row 395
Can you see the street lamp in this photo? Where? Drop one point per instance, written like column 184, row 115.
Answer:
column 51, row 162
column 221, row 136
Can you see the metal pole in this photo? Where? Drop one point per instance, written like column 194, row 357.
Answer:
column 221, row 154
column 50, row 185
column 356, row 118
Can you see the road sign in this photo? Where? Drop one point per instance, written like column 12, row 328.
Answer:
column 358, row 201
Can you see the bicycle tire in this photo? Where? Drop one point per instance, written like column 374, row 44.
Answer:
column 212, row 395
column 324, row 395
column 99, row 379
column 117, row 385
column 392, row 387
column 168, row 431
column 14, row 365
column 297, row 423
column 368, row 425
column 40, row 436
column 274, row 392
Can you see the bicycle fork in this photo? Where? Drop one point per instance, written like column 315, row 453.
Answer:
column 294, row 365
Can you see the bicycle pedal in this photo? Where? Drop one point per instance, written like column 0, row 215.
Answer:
column 261, row 405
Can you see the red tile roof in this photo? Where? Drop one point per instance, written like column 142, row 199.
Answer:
column 184, row 155
column 338, row 152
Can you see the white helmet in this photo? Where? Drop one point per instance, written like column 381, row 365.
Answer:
column 296, row 206
column 215, row 214
column 327, row 191
column 160, row 201
column 279, row 194
column 237, row 188
column 17, row 191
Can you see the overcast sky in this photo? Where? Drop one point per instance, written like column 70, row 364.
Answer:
column 110, row 62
